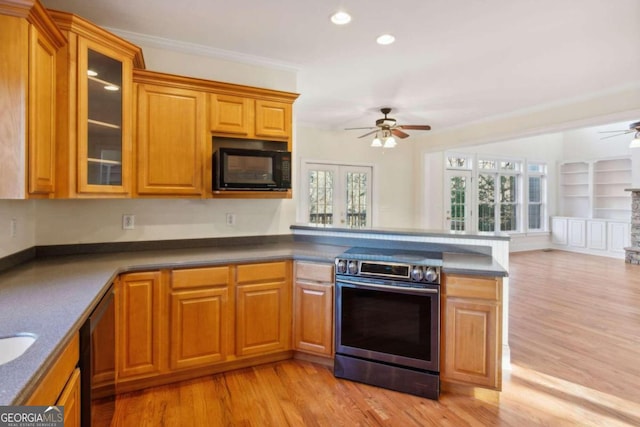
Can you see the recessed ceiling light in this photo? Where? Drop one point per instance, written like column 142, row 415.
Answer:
column 385, row 39
column 340, row 18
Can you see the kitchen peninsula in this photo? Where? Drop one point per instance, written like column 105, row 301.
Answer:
column 52, row 294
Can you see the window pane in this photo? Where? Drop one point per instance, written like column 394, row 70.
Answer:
column 486, row 189
column 536, row 167
column 535, row 189
column 458, row 185
column 508, row 188
column 486, row 164
column 486, row 217
column 510, row 165
column 508, row 218
column 535, row 217
column 356, row 199
column 458, row 162
column 321, row 197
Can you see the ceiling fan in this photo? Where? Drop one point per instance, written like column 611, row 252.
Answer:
column 386, row 128
column 633, row 128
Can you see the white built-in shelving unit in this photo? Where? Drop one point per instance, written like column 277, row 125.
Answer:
column 575, row 188
column 595, row 209
column 610, row 179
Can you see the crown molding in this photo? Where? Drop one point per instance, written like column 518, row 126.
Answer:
column 202, row 50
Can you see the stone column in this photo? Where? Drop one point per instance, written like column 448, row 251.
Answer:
column 632, row 253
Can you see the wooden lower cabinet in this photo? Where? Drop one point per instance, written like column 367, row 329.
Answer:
column 200, row 317
column 313, row 292
column 472, row 331
column 61, row 385
column 70, row 399
column 263, row 308
column 139, row 325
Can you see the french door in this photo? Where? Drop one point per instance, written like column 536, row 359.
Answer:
column 458, row 200
column 338, row 195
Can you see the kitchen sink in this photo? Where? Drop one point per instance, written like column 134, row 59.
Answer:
column 14, row 346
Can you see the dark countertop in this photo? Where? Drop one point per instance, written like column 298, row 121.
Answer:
column 405, row 232
column 52, row 297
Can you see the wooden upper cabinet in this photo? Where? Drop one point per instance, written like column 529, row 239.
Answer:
column 95, row 114
column 273, row 119
column 171, row 140
column 231, row 114
column 251, row 116
column 29, row 41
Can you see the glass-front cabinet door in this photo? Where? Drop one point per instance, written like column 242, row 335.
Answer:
column 104, row 120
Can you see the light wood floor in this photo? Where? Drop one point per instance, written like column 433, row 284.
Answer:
column 575, row 352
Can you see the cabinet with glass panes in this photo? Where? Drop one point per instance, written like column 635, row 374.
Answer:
column 95, row 118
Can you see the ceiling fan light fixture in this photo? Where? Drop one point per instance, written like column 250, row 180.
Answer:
column 377, row 142
column 340, row 18
column 385, row 39
column 635, row 142
column 390, row 142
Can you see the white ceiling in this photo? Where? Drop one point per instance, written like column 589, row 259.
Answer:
column 454, row 61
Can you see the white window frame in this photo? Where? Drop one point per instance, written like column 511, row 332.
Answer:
column 522, row 182
column 339, row 197
column 544, row 175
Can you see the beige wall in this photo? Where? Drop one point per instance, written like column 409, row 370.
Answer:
column 23, row 212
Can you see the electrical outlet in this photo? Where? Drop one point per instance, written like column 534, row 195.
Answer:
column 13, row 227
column 128, row 222
column 231, row 219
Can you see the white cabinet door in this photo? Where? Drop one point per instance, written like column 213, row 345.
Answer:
column 576, row 232
column 597, row 235
column 618, row 236
column 559, row 231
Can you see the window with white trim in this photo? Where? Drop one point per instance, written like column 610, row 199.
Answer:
column 536, row 196
column 496, row 194
column 336, row 194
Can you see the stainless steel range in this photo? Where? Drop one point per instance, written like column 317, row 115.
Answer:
column 388, row 319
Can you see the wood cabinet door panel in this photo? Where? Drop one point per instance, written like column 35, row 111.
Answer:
column 231, row 114
column 171, row 140
column 42, row 114
column 70, row 399
column 263, row 317
column 472, row 342
column 313, row 314
column 273, row 119
column 199, row 324
column 138, row 324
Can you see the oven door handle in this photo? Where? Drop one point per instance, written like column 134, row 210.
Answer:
column 388, row 287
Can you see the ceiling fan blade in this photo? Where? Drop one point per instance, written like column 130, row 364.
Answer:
column 617, row 131
column 414, row 127
column 368, row 127
column 617, row 134
column 397, row 132
column 368, row 133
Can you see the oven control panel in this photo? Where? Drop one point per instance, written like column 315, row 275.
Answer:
column 390, row 270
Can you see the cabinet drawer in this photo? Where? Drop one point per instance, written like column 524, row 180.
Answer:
column 314, row 271
column 200, row 277
column 489, row 288
column 263, row 272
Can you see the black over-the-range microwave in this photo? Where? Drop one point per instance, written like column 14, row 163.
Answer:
column 253, row 170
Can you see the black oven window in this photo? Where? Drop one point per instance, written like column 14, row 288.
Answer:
column 392, row 323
